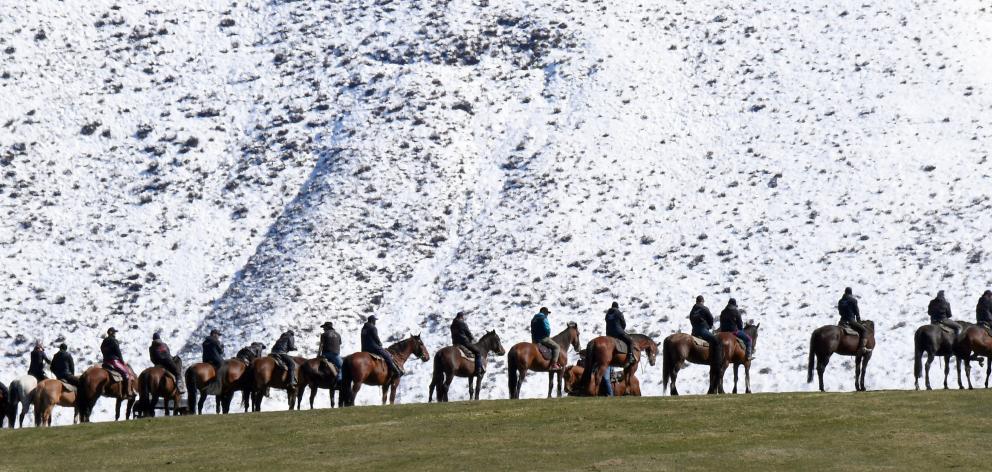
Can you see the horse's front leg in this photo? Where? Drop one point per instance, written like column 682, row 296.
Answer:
column 392, row 391
column 947, row 372
column 385, row 393
column 551, row 383
column 988, row 370
column 736, row 368
column 864, row 371
column 560, row 381
column 117, row 414
column 747, row 377
column 967, row 370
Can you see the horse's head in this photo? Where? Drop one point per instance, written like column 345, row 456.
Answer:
column 419, row 349
column 491, row 340
column 647, row 345
column 751, row 329
column 573, row 335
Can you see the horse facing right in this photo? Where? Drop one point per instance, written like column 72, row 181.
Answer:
column 831, row 339
column 46, row 395
column 97, row 381
column 527, row 356
column 363, row 368
column 449, row 362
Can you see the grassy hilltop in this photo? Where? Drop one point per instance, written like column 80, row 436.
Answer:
column 790, row 431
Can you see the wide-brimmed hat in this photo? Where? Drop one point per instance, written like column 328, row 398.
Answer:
column 327, row 325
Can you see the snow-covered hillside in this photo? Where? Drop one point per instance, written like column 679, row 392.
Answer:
column 263, row 165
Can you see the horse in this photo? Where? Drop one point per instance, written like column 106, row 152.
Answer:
column 679, row 349
column 627, row 385
column 526, row 356
column 97, row 381
column 201, row 379
column 831, row 339
column 4, row 403
column 317, row 373
column 232, row 377
column 361, row 368
column 602, row 352
column 449, row 363
column 46, row 395
column 733, row 352
column 264, row 374
column 974, row 341
column 933, row 340
column 20, row 395
column 155, row 383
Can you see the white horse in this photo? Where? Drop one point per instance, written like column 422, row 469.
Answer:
column 20, row 392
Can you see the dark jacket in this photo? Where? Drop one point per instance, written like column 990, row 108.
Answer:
column 330, row 342
column 213, row 351
column 285, row 343
column 730, row 319
column 700, row 316
column 159, row 351
column 540, row 327
column 983, row 312
column 38, row 361
column 370, row 338
column 62, row 365
column 111, row 350
column 616, row 325
column 939, row 309
column 847, row 307
column 460, row 334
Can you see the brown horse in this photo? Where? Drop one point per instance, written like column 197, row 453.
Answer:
column 831, row 339
column 602, row 353
column 733, row 352
column 679, row 349
column 4, row 403
column 526, row 356
column 361, row 368
column 317, row 373
column 449, row 363
column 155, row 383
column 974, row 341
column 627, row 385
column 96, row 381
column 46, row 395
column 933, row 340
column 233, row 377
column 265, row 374
column 200, row 380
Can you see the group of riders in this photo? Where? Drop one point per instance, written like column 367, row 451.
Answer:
column 701, row 319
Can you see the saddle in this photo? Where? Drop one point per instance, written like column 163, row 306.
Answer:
column 946, row 329
column 326, row 365
column 468, row 354
column 703, row 344
column 544, row 351
column 115, row 376
column 68, row 387
column 280, row 361
column 375, row 356
column 851, row 332
column 621, row 346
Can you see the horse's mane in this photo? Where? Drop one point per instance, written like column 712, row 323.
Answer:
column 399, row 345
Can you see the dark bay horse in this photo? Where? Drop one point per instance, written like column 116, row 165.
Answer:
column 233, row 377
column 680, row 349
column 4, row 404
column 46, row 396
column 265, row 374
column 933, row 340
column 317, row 373
column 733, row 352
column 831, row 339
column 155, row 383
column 96, row 381
column 200, row 378
column 974, row 341
column 449, row 363
column 526, row 356
column 361, row 368
column 602, row 353
column 627, row 385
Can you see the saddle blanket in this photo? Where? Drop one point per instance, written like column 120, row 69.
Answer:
column 621, row 346
column 850, row 331
column 468, row 354
column 544, row 352
column 702, row 343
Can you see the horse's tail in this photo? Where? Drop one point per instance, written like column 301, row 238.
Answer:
column 587, row 378
column 191, row 390
column 145, row 396
column 812, row 358
column 437, row 378
column 511, row 373
column 918, row 354
column 667, row 363
column 247, row 382
column 344, row 393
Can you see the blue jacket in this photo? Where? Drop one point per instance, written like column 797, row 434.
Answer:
column 540, row 327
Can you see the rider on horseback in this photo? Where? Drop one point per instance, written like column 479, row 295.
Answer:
column 616, row 327
column 372, row 344
column 940, row 313
column 112, row 357
column 462, row 336
column 64, row 367
column 540, row 333
column 284, row 345
column 702, row 322
column 850, row 316
column 213, row 350
column 36, row 368
column 330, row 346
column 731, row 322
column 159, row 354
column 983, row 312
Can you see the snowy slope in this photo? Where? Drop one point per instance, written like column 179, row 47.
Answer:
column 257, row 166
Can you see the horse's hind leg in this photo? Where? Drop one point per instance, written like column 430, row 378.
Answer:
column 926, row 370
column 385, row 393
column 864, row 370
column 674, row 376
column 988, row 370
column 736, row 368
column 747, row 377
column 967, row 371
column 821, row 366
column 947, row 370
column 957, row 366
